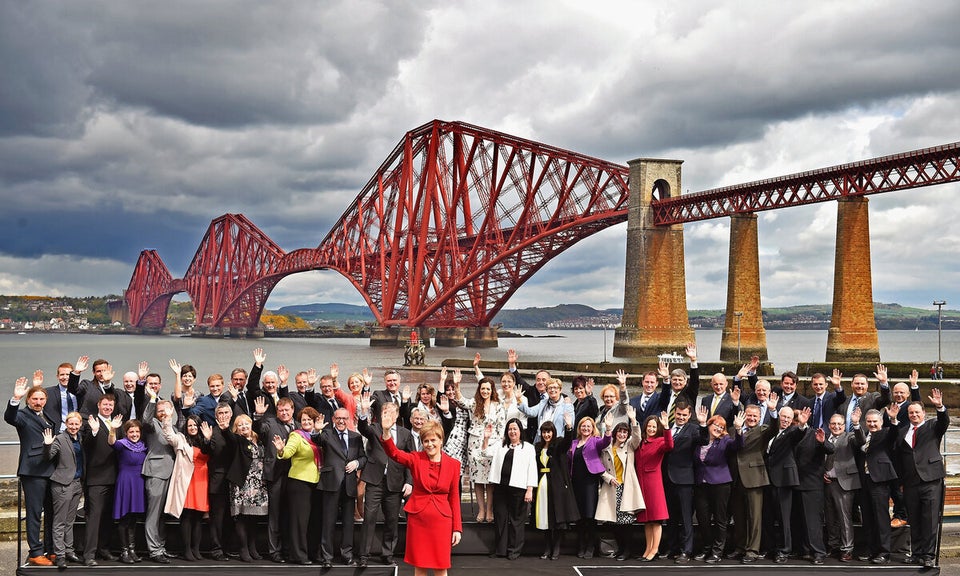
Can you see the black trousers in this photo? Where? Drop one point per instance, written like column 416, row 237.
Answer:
column 680, row 524
column 99, row 519
column 923, row 508
column 377, row 499
column 298, row 515
column 510, row 513
column 334, row 502
column 711, row 502
column 876, row 516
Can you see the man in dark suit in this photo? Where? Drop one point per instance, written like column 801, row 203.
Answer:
column 676, row 385
column 876, row 475
column 33, row 469
column 811, row 453
column 343, row 455
column 101, row 467
column 861, row 398
column 783, row 473
column 386, row 483
column 923, row 471
column 902, row 395
column 60, row 401
column 679, row 479
column 842, row 478
column 157, row 469
column 275, row 470
column 302, row 396
column 721, row 402
column 787, row 392
column 268, row 387
column 533, row 393
column 238, row 381
column 824, row 403
column 748, row 491
column 326, row 402
column 219, row 488
column 390, row 393
column 647, row 403
column 88, row 392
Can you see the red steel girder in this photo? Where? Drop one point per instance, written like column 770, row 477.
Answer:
column 925, row 167
column 148, row 294
column 458, row 217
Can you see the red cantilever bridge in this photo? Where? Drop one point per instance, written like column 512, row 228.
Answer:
column 458, row 217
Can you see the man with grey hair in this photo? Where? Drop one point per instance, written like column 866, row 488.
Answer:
column 783, row 473
column 269, row 386
column 157, row 469
column 681, row 387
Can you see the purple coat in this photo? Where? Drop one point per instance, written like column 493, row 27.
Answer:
column 712, row 468
column 592, row 449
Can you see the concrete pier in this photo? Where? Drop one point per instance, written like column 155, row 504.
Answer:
column 450, row 337
column 743, row 294
column 482, row 337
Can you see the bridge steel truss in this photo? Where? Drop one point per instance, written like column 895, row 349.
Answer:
column 919, row 168
column 455, row 220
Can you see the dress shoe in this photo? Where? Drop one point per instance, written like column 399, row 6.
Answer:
column 39, row 561
column 881, row 559
column 846, row 556
column 90, row 562
column 513, row 556
column 72, row 557
column 348, row 560
column 700, row 557
column 389, row 561
column 277, row 558
column 712, row 559
column 621, row 557
column 733, row 555
column 52, row 557
column 912, row 560
column 306, row 562
column 588, row 553
column 160, row 559
column 219, row 556
column 898, row 523
column 645, row 559
column 749, row 558
column 326, row 565
column 817, row 559
column 108, row 556
column 864, row 557
column 781, row 558
column 61, row 563
column 362, row 563
column 682, row 558
column 929, row 562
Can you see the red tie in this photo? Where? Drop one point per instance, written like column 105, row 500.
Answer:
column 913, row 441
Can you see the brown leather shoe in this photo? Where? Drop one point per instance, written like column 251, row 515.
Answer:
column 39, row 561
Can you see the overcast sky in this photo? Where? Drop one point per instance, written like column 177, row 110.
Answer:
column 130, row 125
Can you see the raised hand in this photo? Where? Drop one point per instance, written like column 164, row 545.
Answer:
column 107, row 373
column 738, row 420
column 664, row 420
column 691, row 351
column 48, row 436
column 855, row 416
column 387, row 420
column 334, row 371
column 567, row 418
column 405, row 392
column 142, row 370
column 804, row 415
column 38, row 377
column 892, row 410
column 881, row 373
column 457, row 376
column 116, row 422
column 365, row 403
column 702, row 414
column 206, row 430
column 319, row 423
column 443, row 376
column 444, row 403
column 81, row 365
column 754, row 362
column 622, row 378
column 744, row 372
column 914, row 376
column 837, row 378
column 283, row 374
column 588, row 387
column 94, row 423
column 663, row 369
column 821, row 436
column 631, row 412
column 234, row 393
column 512, row 358
column 772, row 401
column 20, row 388
column 312, row 377
column 278, row 443
column 608, row 421
column 259, row 356
column 260, row 405
column 175, row 366
column 735, row 392
column 367, row 377
column 476, row 360
column 936, row 397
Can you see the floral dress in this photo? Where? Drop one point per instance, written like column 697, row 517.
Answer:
column 480, row 464
column 251, row 498
column 456, row 444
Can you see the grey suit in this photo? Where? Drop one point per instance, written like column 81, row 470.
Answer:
column 65, row 490
column 749, row 487
column 157, row 468
column 841, row 469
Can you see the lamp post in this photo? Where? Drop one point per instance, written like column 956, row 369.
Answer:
column 939, row 304
column 739, row 315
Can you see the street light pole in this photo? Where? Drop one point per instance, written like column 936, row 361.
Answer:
column 739, row 315
column 939, row 304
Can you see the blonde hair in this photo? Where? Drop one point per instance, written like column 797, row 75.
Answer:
column 247, row 419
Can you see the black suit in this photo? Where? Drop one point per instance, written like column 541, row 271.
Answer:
column 380, row 397
column 34, row 471
column 811, row 457
column 533, row 397
column 876, row 475
column 101, row 469
column 88, row 394
column 385, row 480
column 784, row 477
column 339, row 488
column 275, row 473
column 725, row 407
column 923, row 472
column 53, row 409
column 678, row 481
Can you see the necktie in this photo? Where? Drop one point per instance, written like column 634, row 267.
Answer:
column 913, row 441
column 671, row 409
column 676, row 430
column 713, row 405
column 71, row 406
column 854, row 403
column 817, row 413
column 396, row 399
column 343, row 440
column 643, row 402
column 333, row 402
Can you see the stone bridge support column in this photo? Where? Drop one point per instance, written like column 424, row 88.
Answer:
column 449, row 337
column 743, row 332
column 482, row 337
column 853, row 328
column 655, row 301
column 385, row 336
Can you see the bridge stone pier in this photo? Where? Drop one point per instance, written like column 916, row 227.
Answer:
column 743, row 332
column 655, row 301
column 853, row 327
column 449, row 337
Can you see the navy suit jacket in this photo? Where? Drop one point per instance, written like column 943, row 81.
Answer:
column 679, row 461
column 30, row 429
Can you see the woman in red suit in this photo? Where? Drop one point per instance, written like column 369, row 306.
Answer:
column 657, row 441
column 433, row 509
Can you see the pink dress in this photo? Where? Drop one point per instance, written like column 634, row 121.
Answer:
column 647, row 459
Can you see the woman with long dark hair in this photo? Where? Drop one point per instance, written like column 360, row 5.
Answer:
column 513, row 472
column 555, row 506
column 188, row 495
column 484, row 408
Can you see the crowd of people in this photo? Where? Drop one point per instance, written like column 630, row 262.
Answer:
column 789, row 472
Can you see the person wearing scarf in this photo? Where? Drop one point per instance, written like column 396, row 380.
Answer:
column 305, row 461
column 129, row 491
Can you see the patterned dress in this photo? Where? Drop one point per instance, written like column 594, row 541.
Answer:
column 480, row 464
column 456, row 444
column 251, row 499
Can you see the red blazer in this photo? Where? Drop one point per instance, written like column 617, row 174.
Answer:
column 443, row 496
